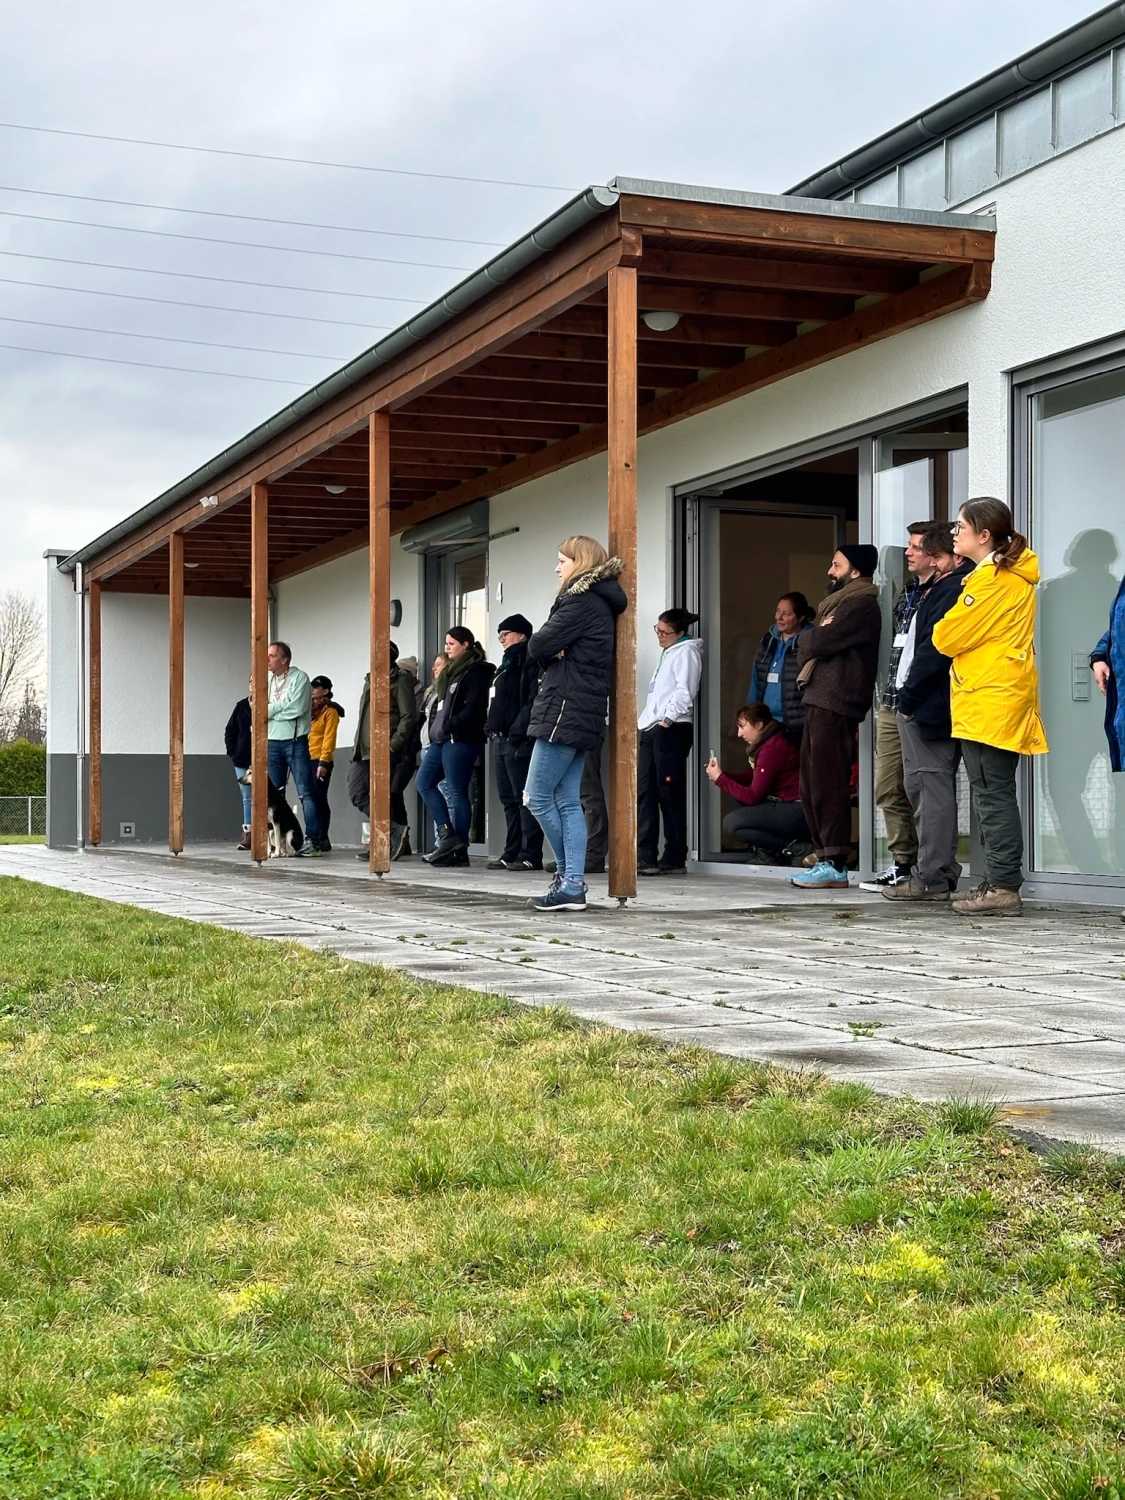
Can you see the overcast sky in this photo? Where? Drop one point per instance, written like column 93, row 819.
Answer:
column 721, row 92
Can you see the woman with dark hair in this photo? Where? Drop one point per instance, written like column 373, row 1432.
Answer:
column 458, row 709
column 664, row 744
column 770, row 817
column 994, row 691
column 326, row 716
column 568, row 717
column 237, row 736
column 774, row 678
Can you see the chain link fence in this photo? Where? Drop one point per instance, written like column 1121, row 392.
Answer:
column 23, row 815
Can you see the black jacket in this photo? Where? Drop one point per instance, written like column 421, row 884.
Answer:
column 467, row 709
column 237, row 734
column 513, row 692
column 573, row 697
column 924, row 696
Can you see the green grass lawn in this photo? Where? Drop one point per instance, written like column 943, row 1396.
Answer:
column 275, row 1225
column 22, row 838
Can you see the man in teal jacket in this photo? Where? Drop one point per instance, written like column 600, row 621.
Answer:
column 288, row 718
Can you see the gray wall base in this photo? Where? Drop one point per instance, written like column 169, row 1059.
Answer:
column 135, row 790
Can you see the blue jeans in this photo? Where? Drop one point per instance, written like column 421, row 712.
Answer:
column 553, row 796
column 247, row 795
column 443, row 784
column 293, row 755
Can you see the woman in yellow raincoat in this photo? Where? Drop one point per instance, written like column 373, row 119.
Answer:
column 994, row 691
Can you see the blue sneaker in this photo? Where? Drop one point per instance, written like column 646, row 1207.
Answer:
column 824, row 876
column 560, row 897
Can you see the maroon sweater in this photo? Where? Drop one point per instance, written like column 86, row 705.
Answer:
column 776, row 773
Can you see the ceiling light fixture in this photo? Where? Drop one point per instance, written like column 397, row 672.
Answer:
column 660, row 322
column 336, row 489
column 191, row 565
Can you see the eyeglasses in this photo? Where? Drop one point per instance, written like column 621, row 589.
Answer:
column 663, row 630
column 959, row 526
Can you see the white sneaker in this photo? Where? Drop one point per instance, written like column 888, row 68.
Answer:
column 894, row 875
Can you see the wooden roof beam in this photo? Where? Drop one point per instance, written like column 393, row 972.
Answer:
column 779, row 228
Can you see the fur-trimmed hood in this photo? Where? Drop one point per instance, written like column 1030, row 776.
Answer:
column 613, row 567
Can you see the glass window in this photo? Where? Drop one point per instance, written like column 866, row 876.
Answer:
column 883, row 191
column 1119, row 88
column 1078, row 530
column 1084, row 103
column 972, row 161
column 923, row 180
column 1025, row 133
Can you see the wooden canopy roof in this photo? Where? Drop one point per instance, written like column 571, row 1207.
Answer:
column 513, row 384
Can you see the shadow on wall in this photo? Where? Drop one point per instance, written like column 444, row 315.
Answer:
column 1073, row 614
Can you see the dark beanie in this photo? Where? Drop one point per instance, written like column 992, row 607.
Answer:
column 519, row 623
column 394, row 652
column 863, row 557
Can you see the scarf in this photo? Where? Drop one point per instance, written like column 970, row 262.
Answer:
column 857, row 588
column 453, row 669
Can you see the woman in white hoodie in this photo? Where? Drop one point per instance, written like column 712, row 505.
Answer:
column 664, row 745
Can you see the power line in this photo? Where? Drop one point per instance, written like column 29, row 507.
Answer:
column 253, row 312
column 167, row 338
column 104, row 359
column 215, row 213
column 299, row 161
column 273, row 286
column 207, row 239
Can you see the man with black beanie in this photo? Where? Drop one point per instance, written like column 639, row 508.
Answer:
column 513, row 691
column 839, row 659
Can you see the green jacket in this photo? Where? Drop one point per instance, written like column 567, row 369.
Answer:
column 404, row 714
column 289, row 712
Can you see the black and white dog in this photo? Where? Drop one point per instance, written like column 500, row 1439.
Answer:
column 285, row 834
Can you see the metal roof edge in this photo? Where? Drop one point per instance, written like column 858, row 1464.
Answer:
column 1102, row 29
column 642, row 187
column 565, row 221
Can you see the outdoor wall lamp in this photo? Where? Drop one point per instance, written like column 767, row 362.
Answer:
column 660, row 322
column 335, row 489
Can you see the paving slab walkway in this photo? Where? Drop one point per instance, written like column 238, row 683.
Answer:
column 1029, row 1013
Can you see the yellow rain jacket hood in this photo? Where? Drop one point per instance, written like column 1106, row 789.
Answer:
column 990, row 634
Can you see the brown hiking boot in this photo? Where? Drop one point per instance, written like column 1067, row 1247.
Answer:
column 910, row 890
column 988, row 901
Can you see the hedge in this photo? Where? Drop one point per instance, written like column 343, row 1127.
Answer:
column 23, row 770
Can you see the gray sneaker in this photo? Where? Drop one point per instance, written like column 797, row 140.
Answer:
column 560, row 897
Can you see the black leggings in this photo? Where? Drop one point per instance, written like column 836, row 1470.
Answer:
column 662, row 757
column 768, row 825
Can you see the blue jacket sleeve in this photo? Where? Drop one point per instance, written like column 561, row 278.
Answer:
column 1101, row 650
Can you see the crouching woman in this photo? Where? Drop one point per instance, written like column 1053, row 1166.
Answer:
column 770, row 817
column 575, row 650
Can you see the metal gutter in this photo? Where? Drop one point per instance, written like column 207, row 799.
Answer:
column 1093, row 35
column 581, row 210
column 643, row 187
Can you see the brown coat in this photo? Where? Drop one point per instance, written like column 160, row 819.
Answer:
column 846, row 651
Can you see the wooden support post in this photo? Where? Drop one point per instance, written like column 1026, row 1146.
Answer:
column 176, row 693
column 622, row 361
column 379, row 495
column 259, row 678
column 95, row 647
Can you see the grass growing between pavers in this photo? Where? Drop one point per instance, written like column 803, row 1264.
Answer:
column 275, row 1225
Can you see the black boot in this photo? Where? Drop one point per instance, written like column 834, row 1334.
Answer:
column 447, row 844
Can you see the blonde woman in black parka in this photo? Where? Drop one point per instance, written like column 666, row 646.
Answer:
column 575, row 650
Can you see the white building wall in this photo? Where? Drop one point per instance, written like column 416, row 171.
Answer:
column 323, row 617
column 62, row 660
column 135, row 672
